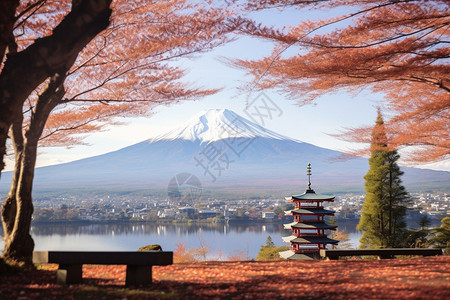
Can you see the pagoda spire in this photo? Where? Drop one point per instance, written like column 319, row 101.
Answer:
column 308, row 172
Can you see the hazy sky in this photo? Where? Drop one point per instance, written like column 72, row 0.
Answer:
column 311, row 124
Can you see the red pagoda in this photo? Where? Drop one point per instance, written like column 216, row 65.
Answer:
column 309, row 227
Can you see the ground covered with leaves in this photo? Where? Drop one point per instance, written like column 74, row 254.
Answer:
column 411, row 278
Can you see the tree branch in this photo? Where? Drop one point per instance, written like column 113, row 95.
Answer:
column 24, row 71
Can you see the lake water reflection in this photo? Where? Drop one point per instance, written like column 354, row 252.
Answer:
column 130, row 236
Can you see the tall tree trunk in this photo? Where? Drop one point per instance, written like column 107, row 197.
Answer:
column 7, row 20
column 26, row 70
column 9, row 207
column 19, row 244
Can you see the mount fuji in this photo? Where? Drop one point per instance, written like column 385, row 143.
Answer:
column 216, row 124
column 223, row 150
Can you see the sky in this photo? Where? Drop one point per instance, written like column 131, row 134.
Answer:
column 313, row 124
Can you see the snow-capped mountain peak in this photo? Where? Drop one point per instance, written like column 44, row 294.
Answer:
column 216, row 124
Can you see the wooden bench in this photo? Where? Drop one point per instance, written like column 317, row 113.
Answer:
column 381, row 253
column 139, row 264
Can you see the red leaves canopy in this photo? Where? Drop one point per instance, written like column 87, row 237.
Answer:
column 130, row 67
column 397, row 48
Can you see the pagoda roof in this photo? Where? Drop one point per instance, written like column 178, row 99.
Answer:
column 311, row 211
column 289, row 254
column 310, row 195
column 310, row 239
column 309, row 225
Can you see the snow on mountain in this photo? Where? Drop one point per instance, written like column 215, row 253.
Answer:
column 216, row 124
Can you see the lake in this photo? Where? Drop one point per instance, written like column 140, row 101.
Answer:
column 223, row 239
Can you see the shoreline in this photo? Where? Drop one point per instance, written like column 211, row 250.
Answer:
column 173, row 222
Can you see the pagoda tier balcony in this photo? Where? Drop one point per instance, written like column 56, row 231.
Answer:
column 309, row 224
column 308, row 234
column 308, row 250
column 315, row 250
column 309, row 240
column 318, row 232
column 310, row 211
column 308, row 205
column 309, row 218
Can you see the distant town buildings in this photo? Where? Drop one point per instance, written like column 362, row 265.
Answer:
column 128, row 206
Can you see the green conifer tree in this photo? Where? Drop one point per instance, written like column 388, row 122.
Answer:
column 269, row 251
column 382, row 220
column 441, row 238
column 269, row 242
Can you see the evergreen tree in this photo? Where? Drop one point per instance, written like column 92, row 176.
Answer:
column 269, row 251
column 269, row 242
column 424, row 222
column 384, row 208
column 441, row 238
column 419, row 238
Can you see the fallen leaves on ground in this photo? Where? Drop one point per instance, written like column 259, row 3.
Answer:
column 413, row 278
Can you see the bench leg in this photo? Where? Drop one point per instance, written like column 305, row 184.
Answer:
column 68, row 274
column 330, row 258
column 138, row 275
column 385, row 256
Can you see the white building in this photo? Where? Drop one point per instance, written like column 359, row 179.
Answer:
column 268, row 215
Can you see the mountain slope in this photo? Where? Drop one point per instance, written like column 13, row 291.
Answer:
column 223, row 150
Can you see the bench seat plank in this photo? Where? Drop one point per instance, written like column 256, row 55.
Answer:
column 138, row 258
column 381, row 253
column 139, row 264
